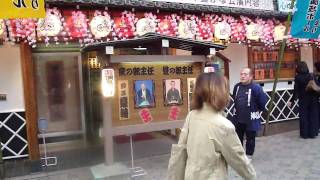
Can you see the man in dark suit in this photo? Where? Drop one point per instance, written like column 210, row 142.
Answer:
column 173, row 94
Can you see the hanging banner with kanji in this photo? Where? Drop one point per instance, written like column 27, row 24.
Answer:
column 305, row 22
column 22, row 9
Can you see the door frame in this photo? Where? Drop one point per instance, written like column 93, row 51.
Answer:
column 81, row 98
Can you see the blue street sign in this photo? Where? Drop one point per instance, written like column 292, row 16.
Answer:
column 306, row 19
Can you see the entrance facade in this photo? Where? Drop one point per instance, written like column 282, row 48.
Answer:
column 59, row 92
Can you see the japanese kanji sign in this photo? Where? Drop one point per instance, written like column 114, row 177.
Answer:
column 284, row 5
column 252, row 4
column 305, row 22
column 22, row 9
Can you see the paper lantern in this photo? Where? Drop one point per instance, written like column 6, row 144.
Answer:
column 187, row 29
column 101, row 25
column 49, row 26
column 222, row 30
column 146, row 25
column 279, row 32
column 2, row 27
column 253, row 32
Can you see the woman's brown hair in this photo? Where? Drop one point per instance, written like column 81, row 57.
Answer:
column 213, row 89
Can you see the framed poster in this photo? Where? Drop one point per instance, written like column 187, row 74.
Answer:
column 123, row 92
column 172, row 92
column 144, row 93
column 191, row 85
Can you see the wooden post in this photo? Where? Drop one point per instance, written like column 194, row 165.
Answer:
column 30, row 100
column 107, row 130
column 281, row 55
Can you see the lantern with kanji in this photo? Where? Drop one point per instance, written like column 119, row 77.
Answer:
column 188, row 27
column 101, row 25
column 147, row 24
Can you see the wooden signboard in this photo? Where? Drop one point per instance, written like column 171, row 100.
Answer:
column 157, row 80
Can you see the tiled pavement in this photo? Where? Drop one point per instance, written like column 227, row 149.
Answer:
column 278, row 157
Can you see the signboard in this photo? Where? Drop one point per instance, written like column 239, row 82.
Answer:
column 22, row 9
column 251, row 4
column 305, row 22
column 108, row 83
column 284, row 5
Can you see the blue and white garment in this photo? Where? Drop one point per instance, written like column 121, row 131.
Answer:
column 249, row 101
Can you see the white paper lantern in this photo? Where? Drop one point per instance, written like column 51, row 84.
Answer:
column 145, row 25
column 2, row 27
column 100, row 26
column 279, row 32
column 222, row 30
column 187, row 29
column 49, row 26
column 253, row 32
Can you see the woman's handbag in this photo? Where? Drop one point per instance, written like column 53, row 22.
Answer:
column 179, row 155
column 312, row 86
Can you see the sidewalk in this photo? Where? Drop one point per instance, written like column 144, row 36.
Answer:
column 278, row 157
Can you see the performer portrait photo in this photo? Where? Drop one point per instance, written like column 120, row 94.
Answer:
column 173, row 91
column 144, row 93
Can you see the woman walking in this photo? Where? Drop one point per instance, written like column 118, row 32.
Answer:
column 212, row 143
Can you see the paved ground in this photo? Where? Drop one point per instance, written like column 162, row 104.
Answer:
column 278, row 157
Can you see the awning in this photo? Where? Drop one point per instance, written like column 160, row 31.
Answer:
column 155, row 40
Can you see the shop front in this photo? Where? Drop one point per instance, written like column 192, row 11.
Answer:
column 62, row 84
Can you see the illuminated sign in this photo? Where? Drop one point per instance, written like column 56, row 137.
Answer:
column 108, row 82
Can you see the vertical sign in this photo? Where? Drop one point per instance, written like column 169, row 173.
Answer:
column 305, row 22
column 108, row 84
column 22, row 9
column 123, row 92
column 191, row 85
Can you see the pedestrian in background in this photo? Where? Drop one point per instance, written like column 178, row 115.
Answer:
column 308, row 102
column 316, row 73
column 249, row 101
column 211, row 141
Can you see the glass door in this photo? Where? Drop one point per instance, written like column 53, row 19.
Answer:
column 58, row 92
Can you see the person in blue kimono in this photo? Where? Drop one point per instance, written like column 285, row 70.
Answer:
column 308, row 102
column 249, row 101
column 143, row 96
